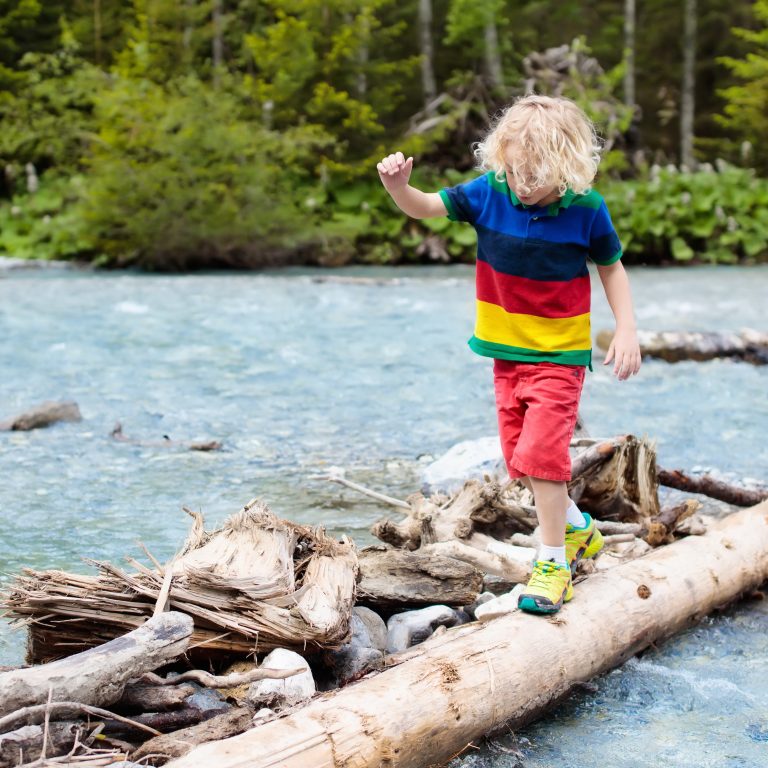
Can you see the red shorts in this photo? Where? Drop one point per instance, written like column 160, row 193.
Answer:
column 537, row 405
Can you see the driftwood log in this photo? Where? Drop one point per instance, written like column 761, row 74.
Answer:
column 616, row 480
column 98, row 676
column 398, row 579
column 712, row 487
column 171, row 745
column 166, row 442
column 298, row 593
column 42, row 415
column 674, row 346
column 474, row 680
column 25, row 744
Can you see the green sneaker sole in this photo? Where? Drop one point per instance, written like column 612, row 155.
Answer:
column 530, row 605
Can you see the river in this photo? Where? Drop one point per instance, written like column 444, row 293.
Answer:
column 366, row 369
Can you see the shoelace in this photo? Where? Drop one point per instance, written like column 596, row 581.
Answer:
column 540, row 572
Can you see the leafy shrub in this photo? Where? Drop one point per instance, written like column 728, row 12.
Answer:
column 715, row 216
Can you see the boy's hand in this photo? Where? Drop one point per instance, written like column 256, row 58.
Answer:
column 625, row 352
column 394, row 171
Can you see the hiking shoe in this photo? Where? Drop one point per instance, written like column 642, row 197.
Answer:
column 548, row 588
column 581, row 543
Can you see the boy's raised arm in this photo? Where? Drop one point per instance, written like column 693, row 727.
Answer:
column 394, row 172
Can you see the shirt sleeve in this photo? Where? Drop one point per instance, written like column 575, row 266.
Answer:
column 604, row 243
column 466, row 201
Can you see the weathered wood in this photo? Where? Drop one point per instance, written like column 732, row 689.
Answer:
column 298, row 592
column 712, row 487
column 475, row 679
column 25, row 744
column 166, row 442
column 42, row 415
column 662, row 527
column 168, row 746
column 621, row 487
column 98, row 676
column 397, row 578
column 144, row 697
column 233, row 680
column 674, row 346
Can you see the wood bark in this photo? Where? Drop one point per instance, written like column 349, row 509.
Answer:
column 621, row 487
column 629, row 52
column 688, row 89
column 674, row 346
column 98, row 676
column 168, row 746
column 428, row 84
column 142, row 697
column 398, row 579
column 473, row 680
column 712, row 487
column 43, row 415
column 25, row 744
column 662, row 527
column 492, row 55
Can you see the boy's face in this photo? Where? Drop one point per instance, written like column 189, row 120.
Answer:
column 523, row 184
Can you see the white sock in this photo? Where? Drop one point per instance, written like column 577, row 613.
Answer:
column 557, row 554
column 574, row 516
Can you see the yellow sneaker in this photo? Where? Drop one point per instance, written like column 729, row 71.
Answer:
column 582, row 543
column 548, row 588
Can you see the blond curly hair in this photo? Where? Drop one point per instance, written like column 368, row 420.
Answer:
column 542, row 141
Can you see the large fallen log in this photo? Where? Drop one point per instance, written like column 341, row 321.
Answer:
column 99, row 676
column 473, row 680
column 674, row 346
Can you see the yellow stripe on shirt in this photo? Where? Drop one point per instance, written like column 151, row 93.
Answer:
column 532, row 332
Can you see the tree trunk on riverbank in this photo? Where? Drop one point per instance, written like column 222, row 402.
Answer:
column 473, row 680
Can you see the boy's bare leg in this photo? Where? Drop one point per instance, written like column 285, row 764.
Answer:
column 551, row 502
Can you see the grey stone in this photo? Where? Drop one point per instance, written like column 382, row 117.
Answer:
column 482, row 598
column 374, row 625
column 291, row 690
column 468, row 459
column 412, row 627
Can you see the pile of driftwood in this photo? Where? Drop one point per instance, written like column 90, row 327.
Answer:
column 166, row 656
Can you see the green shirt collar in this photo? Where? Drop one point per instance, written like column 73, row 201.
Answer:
column 552, row 209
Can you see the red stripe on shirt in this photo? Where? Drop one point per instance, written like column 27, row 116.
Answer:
column 542, row 298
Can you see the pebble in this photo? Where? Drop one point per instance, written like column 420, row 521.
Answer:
column 412, row 627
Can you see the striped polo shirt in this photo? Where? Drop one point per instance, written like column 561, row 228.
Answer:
column 533, row 291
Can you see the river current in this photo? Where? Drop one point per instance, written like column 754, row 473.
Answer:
column 366, row 369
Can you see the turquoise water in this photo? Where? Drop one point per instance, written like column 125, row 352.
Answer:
column 302, row 370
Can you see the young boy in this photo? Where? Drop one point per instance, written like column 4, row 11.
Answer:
column 537, row 223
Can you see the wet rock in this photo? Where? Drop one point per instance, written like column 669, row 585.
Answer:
column 499, row 606
column 413, row 627
column 363, row 652
column 43, row 415
column 497, row 585
column 465, row 460
column 283, row 693
column 375, row 627
column 207, row 701
column 482, row 598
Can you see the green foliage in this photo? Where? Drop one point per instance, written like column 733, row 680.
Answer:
column 178, row 179
column 44, row 225
column 746, row 108
column 48, row 120
column 718, row 217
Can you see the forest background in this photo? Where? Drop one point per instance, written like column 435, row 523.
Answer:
column 182, row 134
